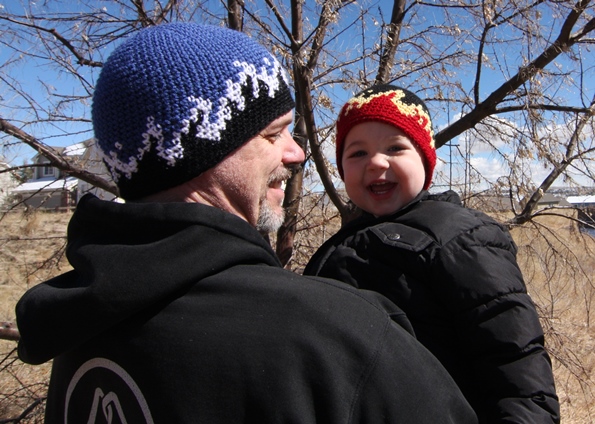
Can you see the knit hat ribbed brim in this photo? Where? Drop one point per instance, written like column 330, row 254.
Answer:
column 394, row 106
column 174, row 100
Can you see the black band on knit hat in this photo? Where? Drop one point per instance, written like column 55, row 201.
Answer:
column 394, row 106
column 174, row 100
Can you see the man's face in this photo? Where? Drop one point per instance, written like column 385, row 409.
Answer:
column 249, row 181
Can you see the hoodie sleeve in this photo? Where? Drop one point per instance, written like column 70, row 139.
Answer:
column 382, row 398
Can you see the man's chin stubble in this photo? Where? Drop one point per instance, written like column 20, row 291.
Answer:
column 269, row 220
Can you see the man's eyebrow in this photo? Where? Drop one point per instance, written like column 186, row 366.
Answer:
column 280, row 125
column 286, row 122
column 288, row 118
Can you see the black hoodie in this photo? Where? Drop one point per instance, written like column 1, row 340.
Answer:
column 181, row 313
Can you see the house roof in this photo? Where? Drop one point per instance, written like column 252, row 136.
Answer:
column 581, row 200
column 74, row 150
column 489, row 203
column 47, row 184
column 552, row 198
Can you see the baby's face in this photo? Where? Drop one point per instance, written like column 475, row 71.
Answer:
column 383, row 169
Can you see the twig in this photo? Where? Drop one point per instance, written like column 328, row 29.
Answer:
column 9, row 331
column 24, row 414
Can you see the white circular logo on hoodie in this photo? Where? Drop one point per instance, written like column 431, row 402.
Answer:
column 102, row 391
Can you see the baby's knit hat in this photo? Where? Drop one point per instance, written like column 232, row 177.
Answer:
column 174, row 100
column 394, row 106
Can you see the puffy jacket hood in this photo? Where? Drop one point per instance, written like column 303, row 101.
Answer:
column 116, row 256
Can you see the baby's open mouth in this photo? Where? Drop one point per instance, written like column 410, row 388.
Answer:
column 381, row 188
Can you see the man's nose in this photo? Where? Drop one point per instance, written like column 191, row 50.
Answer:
column 293, row 152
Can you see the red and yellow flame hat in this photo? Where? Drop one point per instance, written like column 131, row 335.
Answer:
column 394, row 106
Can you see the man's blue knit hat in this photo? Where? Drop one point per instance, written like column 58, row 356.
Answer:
column 174, row 100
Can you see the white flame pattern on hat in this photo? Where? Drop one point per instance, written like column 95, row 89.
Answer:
column 207, row 128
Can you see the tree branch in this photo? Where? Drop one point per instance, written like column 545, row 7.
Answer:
column 56, row 159
column 569, row 157
column 564, row 41
column 392, row 42
column 9, row 331
column 79, row 58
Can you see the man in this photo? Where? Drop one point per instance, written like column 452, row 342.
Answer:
column 177, row 310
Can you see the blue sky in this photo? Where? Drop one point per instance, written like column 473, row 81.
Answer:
column 30, row 74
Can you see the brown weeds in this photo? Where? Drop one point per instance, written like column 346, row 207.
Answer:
column 558, row 263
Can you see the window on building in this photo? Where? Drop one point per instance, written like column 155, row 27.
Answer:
column 48, row 170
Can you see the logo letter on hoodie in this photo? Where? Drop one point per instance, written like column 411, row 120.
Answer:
column 101, row 389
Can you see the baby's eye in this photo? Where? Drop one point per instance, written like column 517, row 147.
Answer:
column 357, row 154
column 395, row 148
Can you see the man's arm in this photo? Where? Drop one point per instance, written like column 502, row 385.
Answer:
column 407, row 384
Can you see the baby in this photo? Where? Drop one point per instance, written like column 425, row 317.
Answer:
column 453, row 270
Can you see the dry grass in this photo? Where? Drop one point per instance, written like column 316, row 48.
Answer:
column 30, row 252
column 557, row 260
column 31, row 247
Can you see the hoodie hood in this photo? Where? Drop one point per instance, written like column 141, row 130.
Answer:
column 117, row 252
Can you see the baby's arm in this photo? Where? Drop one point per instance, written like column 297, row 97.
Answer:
column 498, row 327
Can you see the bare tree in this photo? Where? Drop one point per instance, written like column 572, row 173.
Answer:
column 512, row 79
column 334, row 48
